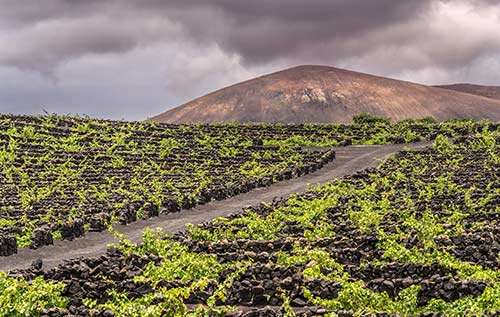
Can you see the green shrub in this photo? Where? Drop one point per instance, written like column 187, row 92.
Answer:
column 369, row 119
column 19, row 298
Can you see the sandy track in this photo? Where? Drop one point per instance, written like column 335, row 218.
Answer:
column 348, row 160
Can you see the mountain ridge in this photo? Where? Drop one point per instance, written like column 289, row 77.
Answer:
column 315, row 93
column 492, row 92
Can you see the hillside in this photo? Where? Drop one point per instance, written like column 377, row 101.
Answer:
column 327, row 94
column 485, row 91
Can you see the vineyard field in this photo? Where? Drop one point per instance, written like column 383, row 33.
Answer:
column 417, row 235
column 63, row 176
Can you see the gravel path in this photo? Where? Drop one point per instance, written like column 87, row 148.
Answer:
column 348, row 160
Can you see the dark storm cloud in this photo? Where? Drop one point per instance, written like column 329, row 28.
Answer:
column 262, row 30
column 258, row 30
column 423, row 31
column 42, row 40
column 199, row 45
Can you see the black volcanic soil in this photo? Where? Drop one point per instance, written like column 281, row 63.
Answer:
column 329, row 95
column 348, row 160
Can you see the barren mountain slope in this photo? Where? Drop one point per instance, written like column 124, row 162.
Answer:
column 327, row 94
column 485, row 91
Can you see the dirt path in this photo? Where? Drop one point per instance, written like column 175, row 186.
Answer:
column 348, row 160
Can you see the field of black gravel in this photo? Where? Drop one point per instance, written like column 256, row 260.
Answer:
column 415, row 236
column 62, row 176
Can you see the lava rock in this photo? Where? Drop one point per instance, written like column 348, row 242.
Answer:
column 41, row 237
column 8, row 245
column 257, row 142
column 128, row 214
column 72, row 230
column 37, row 265
column 150, row 210
column 98, row 222
column 169, row 206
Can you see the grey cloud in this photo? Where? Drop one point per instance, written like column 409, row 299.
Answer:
column 262, row 30
column 49, row 43
column 167, row 52
column 15, row 13
column 258, row 30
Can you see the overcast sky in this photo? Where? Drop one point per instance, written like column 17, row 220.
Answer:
column 131, row 59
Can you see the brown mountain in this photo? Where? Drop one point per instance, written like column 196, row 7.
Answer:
column 327, row 94
column 492, row 92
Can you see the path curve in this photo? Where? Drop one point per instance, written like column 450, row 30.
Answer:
column 348, row 160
